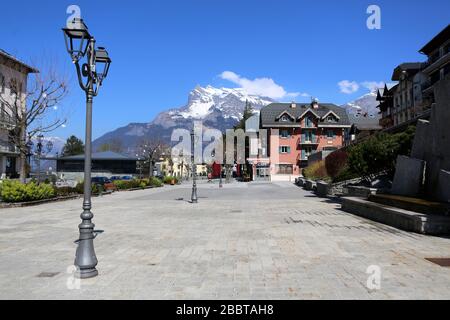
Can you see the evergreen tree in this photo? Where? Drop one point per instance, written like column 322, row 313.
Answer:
column 248, row 112
column 73, row 146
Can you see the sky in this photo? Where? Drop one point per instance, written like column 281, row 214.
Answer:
column 161, row 49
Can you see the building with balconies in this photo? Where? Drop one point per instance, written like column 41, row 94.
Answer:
column 296, row 131
column 13, row 82
column 438, row 65
column 413, row 97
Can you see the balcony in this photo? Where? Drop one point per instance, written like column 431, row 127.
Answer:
column 6, row 147
column 308, row 141
column 6, row 122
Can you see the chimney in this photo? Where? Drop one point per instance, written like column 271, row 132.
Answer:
column 315, row 104
column 293, row 105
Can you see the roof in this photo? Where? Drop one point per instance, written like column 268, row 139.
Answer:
column 366, row 122
column 270, row 113
column 107, row 155
column 434, row 43
column 410, row 67
column 8, row 56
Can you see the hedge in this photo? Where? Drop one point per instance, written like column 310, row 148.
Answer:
column 14, row 191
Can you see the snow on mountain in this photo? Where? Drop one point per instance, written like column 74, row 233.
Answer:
column 219, row 108
column 367, row 104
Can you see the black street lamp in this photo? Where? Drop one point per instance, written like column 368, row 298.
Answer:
column 40, row 151
column 194, row 198
column 93, row 72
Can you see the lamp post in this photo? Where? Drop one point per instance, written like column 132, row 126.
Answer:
column 40, row 152
column 90, row 78
column 194, row 170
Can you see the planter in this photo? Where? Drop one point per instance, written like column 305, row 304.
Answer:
column 301, row 182
column 310, row 185
column 359, row 191
column 322, row 189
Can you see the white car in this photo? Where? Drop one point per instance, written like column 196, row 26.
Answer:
column 66, row 183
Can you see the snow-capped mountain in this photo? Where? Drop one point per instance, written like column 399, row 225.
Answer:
column 219, row 108
column 367, row 104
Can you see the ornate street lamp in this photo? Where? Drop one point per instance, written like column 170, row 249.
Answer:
column 194, row 198
column 80, row 44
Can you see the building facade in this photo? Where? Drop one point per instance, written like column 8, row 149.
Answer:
column 296, row 131
column 437, row 66
column 413, row 97
column 13, row 84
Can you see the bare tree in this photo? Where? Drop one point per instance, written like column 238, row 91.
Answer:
column 32, row 110
column 150, row 149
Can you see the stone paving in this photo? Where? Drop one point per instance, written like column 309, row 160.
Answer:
column 245, row 241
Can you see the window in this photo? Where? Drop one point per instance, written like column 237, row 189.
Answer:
column 284, row 118
column 2, row 83
column 285, row 133
column 330, row 119
column 308, row 122
column 285, row 169
column 330, row 134
column 308, row 136
column 285, row 149
column 13, row 87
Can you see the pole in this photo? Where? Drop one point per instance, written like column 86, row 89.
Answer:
column 194, row 198
column 86, row 259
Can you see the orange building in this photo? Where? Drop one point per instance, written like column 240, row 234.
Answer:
column 297, row 130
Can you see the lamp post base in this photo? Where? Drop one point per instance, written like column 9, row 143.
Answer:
column 87, row 273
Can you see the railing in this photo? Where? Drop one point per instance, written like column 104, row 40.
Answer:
column 6, row 120
column 7, row 147
column 315, row 140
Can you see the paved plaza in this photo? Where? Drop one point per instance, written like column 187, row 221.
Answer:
column 245, row 241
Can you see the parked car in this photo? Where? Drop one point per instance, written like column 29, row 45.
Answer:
column 61, row 183
column 114, row 178
column 104, row 182
column 126, row 178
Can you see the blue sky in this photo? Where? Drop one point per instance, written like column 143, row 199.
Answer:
column 162, row 49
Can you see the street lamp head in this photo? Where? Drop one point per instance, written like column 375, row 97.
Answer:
column 76, row 31
column 102, row 62
column 49, row 146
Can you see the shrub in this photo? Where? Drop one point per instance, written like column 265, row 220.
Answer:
column 336, row 162
column 316, row 171
column 65, row 191
column 374, row 155
column 14, row 191
column 168, row 179
column 155, row 182
column 345, row 175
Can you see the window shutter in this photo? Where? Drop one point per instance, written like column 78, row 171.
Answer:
column 303, row 137
column 334, row 134
column 313, row 137
column 280, row 149
column 288, row 149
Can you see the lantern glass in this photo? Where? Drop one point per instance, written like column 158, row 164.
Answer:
column 77, row 38
column 102, row 62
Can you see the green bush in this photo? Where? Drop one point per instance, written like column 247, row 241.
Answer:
column 316, row 171
column 65, row 191
column 345, row 175
column 155, row 182
column 168, row 179
column 14, row 191
column 379, row 153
